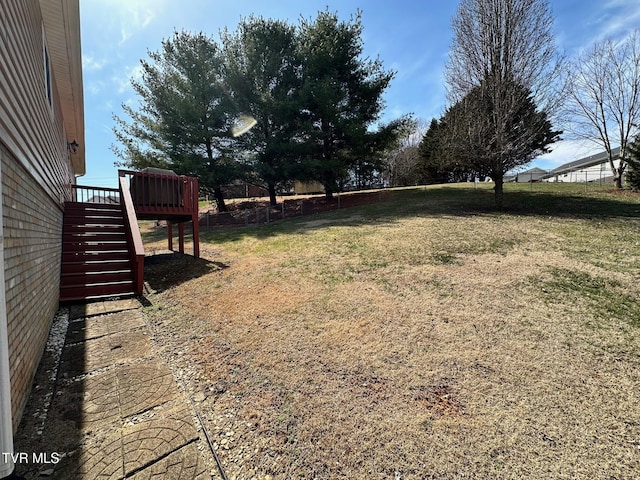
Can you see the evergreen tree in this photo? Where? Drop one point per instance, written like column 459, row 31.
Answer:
column 633, row 163
column 262, row 71
column 185, row 114
column 503, row 52
column 341, row 98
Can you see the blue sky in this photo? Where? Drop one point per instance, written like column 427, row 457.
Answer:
column 411, row 37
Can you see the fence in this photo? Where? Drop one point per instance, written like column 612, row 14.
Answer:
column 263, row 214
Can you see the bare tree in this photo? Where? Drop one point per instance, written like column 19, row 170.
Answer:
column 402, row 161
column 604, row 97
column 503, row 61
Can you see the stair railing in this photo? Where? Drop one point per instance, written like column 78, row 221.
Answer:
column 134, row 239
column 103, row 195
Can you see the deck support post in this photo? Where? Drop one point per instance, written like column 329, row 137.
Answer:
column 170, row 236
column 181, row 237
column 196, row 235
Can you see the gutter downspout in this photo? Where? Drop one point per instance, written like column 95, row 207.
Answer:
column 6, row 424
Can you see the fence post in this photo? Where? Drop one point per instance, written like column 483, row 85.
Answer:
column 268, row 214
column 246, row 217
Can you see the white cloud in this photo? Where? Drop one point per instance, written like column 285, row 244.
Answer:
column 90, row 63
column 620, row 18
column 94, row 87
column 123, row 81
column 126, row 17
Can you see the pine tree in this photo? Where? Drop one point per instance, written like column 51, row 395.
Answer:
column 342, row 97
column 633, row 164
column 185, row 116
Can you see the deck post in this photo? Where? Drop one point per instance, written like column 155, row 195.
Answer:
column 181, row 237
column 196, row 236
column 170, row 236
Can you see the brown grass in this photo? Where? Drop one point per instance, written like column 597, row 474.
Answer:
column 395, row 342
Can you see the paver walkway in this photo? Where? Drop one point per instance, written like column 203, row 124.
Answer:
column 117, row 411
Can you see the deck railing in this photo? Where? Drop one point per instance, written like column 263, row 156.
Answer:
column 162, row 194
column 134, row 239
column 85, row 194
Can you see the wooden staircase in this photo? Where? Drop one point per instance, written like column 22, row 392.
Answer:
column 102, row 250
column 95, row 255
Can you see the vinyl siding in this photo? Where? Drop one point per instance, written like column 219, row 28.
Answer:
column 36, row 180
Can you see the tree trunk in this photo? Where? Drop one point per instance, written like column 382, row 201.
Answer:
column 273, row 201
column 617, row 172
column 617, row 180
column 499, row 192
column 217, row 193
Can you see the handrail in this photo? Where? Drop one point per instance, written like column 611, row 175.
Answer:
column 86, row 194
column 136, row 249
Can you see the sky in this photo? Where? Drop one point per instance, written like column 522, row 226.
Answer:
column 410, row 37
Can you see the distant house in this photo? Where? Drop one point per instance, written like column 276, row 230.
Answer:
column 588, row 169
column 106, row 199
column 304, row 188
column 41, row 154
column 532, row 175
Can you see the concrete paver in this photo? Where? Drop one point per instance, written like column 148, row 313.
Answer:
column 117, row 411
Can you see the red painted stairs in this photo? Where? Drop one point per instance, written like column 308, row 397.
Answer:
column 95, row 257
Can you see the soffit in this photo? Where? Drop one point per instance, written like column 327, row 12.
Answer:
column 61, row 20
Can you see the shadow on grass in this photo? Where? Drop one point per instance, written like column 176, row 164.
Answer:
column 165, row 270
column 550, row 201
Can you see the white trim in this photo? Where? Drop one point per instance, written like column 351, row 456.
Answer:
column 6, row 422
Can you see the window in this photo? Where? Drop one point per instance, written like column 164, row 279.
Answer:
column 47, row 70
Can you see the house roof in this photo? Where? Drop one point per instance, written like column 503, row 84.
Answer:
column 533, row 170
column 585, row 162
column 61, row 20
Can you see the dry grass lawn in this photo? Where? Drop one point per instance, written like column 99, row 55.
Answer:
column 426, row 337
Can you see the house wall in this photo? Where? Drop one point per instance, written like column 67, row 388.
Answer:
column 32, row 232
column 302, row 188
column 595, row 173
column 36, row 180
column 30, row 127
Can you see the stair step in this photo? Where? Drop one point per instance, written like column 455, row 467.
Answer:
column 84, row 257
column 85, row 205
column 75, row 293
column 95, row 278
column 86, row 246
column 93, row 229
column 95, row 253
column 94, row 236
column 95, row 266
column 80, row 220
